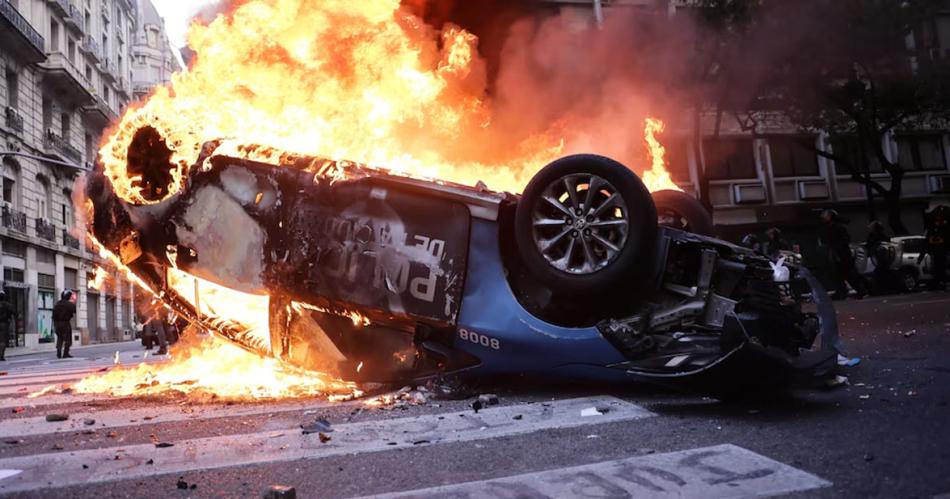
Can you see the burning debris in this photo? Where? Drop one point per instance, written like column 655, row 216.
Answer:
column 206, row 367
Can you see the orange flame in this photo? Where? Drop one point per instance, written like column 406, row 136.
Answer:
column 99, row 280
column 657, row 178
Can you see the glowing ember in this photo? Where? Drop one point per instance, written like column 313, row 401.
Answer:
column 99, row 279
column 657, row 178
column 203, row 366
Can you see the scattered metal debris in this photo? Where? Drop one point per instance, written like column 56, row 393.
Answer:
column 55, row 418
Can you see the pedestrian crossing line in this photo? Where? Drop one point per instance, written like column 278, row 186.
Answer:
column 722, row 471
column 120, row 418
column 129, row 462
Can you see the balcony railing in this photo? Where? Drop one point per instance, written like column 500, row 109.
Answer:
column 91, row 47
column 21, row 26
column 60, row 147
column 109, row 69
column 61, row 70
column 75, row 17
column 61, row 6
column 69, row 241
column 13, row 219
column 45, row 230
column 13, row 119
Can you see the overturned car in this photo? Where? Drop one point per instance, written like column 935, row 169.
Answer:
column 369, row 275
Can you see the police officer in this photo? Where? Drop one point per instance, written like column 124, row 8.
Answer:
column 6, row 317
column 63, row 313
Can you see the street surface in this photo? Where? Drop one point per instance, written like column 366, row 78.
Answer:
column 887, row 434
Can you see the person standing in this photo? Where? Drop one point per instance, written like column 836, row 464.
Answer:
column 937, row 224
column 834, row 236
column 63, row 313
column 157, row 325
column 6, row 322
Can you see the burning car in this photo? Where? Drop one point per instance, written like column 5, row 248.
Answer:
column 370, row 275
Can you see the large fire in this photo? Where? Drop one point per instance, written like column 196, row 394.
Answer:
column 360, row 81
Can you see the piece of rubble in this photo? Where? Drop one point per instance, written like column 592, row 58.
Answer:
column 55, row 418
column 488, row 399
column 280, row 492
column 324, row 438
column 150, row 461
column 519, row 417
column 908, row 334
column 837, row 381
column 164, row 445
column 17, row 410
column 318, row 426
column 864, row 397
column 477, row 406
column 590, row 411
column 182, row 484
column 13, row 441
column 88, row 421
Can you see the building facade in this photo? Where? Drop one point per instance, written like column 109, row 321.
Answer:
column 67, row 75
column 766, row 180
column 153, row 58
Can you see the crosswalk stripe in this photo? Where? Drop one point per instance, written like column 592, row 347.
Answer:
column 119, row 418
column 127, row 462
column 722, row 471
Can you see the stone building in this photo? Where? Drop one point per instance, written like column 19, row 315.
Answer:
column 66, row 76
column 153, row 58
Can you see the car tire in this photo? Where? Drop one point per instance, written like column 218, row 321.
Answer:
column 908, row 280
column 589, row 241
column 681, row 211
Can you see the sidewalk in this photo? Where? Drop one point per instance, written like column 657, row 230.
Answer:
column 51, row 348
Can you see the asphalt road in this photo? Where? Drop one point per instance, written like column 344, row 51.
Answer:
column 885, row 435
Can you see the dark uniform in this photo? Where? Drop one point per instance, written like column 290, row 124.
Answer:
column 157, row 325
column 937, row 224
column 63, row 313
column 834, row 235
column 6, row 320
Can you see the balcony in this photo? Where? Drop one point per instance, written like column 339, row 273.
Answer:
column 74, row 20
column 69, row 241
column 101, row 110
column 60, row 6
column 91, row 47
column 13, row 120
column 142, row 89
column 13, row 219
column 109, row 70
column 57, row 146
column 17, row 34
column 45, row 230
column 104, row 9
column 60, row 74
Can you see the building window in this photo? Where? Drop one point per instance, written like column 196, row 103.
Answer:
column 15, row 248
column 13, row 89
column 47, row 114
column 11, row 185
column 921, row 152
column 54, row 36
column 729, row 159
column 48, row 257
column 849, row 150
column 790, row 158
column 677, row 159
column 43, row 201
column 12, row 275
column 65, row 125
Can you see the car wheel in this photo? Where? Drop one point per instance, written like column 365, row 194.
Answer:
column 681, row 211
column 908, row 280
column 585, row 223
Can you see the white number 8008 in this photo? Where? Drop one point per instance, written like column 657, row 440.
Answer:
column 479, row 339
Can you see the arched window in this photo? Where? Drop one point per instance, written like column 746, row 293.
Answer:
column 44, row 199
column 67, row 208
column 11, row 183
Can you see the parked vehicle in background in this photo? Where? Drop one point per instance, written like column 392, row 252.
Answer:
column 912, row 268
column 899, row 256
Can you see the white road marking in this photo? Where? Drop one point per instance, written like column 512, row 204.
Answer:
column 8, row 473
column 723, row 471
column 126, row 462
column 118, row 418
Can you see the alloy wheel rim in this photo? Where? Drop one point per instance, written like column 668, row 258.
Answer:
column 580, row 224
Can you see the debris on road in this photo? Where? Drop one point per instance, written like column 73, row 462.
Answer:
column 477, row 406
column 488, row 399
column 280, row 492
column 837, row 381
column 183, row 485
column 319, row 426
column 55, row 418
column 864, row 397
column 848, row 361
column 519, row 417
column 908, row 334
column 164, row 445
column 88, row 421
column 17, row 410
column 400, row 399
column 324, row 438
column 590, row 411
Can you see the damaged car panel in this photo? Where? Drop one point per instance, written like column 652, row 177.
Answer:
column 414, row 278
